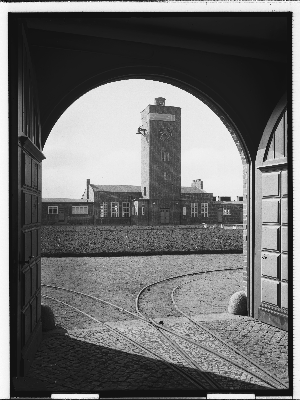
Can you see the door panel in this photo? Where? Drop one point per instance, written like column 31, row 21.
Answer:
column 25, row 312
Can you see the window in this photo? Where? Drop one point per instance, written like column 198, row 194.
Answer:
column 136, row 208
column 125, row 210
column 204, row 209
column 103, row 210
column 226, row 210
column 114, row 209
column 79, row 209
column 184, row 211
column 145, row 191
column 165, row 156
column 194, row 209
column 52, row 209
column 143, row 210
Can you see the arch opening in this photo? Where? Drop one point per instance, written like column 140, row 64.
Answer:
column 238, row 143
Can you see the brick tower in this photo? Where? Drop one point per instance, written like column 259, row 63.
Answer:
column 161, row 151
column 161, row 158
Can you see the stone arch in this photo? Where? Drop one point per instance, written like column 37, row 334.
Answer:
column 184, row 82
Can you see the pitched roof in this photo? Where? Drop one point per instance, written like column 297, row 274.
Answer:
column 116, row 188
column 189, row 189
column 63, row 200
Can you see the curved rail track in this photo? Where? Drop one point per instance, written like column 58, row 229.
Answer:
column 189, row 350
column 221, row 346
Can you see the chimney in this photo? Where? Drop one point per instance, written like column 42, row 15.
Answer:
column 160, row 101
column 88, row 181
column 197, row 183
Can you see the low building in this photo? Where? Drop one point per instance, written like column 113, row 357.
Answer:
column 67, row 211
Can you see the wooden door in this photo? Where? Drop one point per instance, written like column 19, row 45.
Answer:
column 220, row 215
column 61, row 214
column 26, row 210
column 272, row 229
column 164, row 215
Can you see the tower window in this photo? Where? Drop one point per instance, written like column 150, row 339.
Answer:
column 143, row 210
column 165, row 156
column 145, row 191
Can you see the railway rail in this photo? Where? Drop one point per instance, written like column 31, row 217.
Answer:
column 233, row 355
column 185, row 347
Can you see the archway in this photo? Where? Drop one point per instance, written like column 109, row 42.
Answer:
column 98, row 81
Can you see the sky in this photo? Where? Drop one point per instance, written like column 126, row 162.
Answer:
column 95, row 138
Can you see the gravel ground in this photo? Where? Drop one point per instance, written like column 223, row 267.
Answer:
column 117, row 279
column 208, row 293
column 73, row 240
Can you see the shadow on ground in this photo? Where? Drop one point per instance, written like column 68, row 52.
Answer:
column 67, row 365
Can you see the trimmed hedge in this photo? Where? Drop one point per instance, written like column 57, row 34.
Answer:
column 95, row 240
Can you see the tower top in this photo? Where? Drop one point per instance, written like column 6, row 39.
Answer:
column 160, row 101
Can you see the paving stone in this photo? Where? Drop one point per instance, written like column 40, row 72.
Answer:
column 91, row 357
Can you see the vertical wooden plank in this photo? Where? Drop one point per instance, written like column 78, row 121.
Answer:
column 270, row 154
column 27, row 284
column 27, row 324
column 39, row 173
column 284, row 295
column 34, row 175
column 38, row 306
column 279, row 141
column 33, row 279
column 39, row 210
column 33, row 313
column 27, row 245
column 34, row 242
column 27, row 170
column 285, row 134
column 27, row 208
column 34, row 209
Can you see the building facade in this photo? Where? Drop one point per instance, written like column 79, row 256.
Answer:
column 67, row 211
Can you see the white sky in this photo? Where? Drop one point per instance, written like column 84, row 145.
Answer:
column 96, row 139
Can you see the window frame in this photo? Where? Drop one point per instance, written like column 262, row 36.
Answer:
column 204, row 209
column 103, row 210
column 85, row 208
column 116, row 213
column 127, row 208
column 53, row 208
column 194, row 210
column 226, row 210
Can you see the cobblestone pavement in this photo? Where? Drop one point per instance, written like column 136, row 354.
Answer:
column 96, row 359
